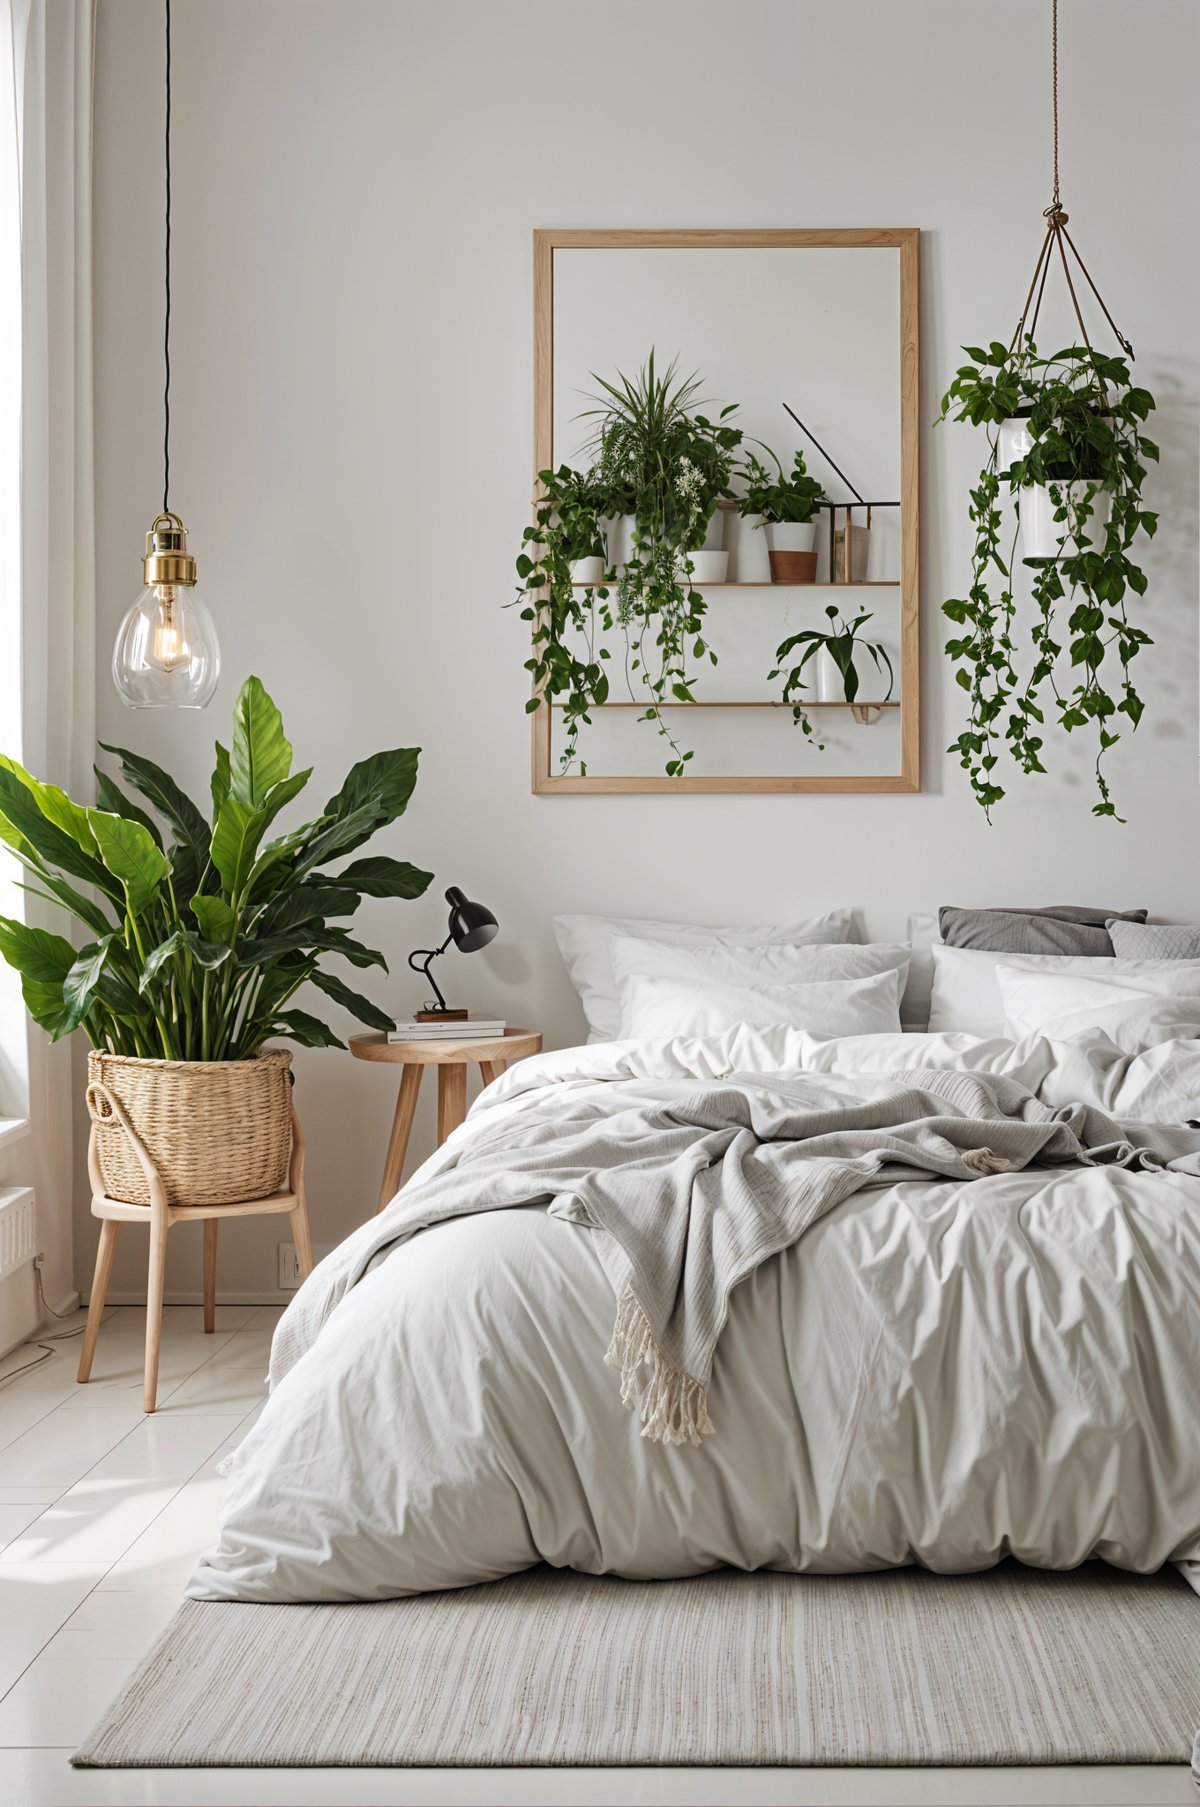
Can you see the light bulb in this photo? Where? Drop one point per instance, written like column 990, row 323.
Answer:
column 166, row 654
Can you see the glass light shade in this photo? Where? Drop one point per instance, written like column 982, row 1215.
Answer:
column 166, row 654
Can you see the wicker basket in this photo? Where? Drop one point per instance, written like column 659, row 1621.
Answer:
column 218, row 1131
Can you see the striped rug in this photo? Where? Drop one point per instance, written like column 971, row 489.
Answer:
column 1013, row 1666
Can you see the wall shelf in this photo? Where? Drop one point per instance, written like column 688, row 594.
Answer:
column 756, row 703
column 763, row 583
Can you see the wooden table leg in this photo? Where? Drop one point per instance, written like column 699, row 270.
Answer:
column 452, row 1098
column 104, row 1264
column 210, row 1275
column 491, row 1069
column 402, row 1122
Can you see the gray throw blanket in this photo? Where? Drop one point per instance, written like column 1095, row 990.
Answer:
column 694, row 1194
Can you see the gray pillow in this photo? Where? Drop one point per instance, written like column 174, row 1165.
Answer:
column 1058, row 929
column 1155, row 941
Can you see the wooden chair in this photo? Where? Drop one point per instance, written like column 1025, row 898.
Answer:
column 158, row 1217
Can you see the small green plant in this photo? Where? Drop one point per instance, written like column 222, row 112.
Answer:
column 201, row 934
column 1085, row 420
column 792, row 499
column 840, row 640
column 658, row 459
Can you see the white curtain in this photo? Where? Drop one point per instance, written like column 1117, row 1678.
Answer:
column 46, row 60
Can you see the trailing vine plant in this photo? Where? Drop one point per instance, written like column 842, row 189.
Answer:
column 1088, row 450
column 655, row 458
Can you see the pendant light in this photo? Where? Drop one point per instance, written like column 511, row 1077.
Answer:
column 166, row 654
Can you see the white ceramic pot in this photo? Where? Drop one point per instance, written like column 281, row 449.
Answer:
column 1041, row 533
column 707, row 567
column 792, row 536
column 751, row 554
column 620, row 539
column 1014, row 440
column 587, row 570
column 872, row 683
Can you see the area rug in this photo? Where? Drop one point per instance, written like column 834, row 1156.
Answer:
column 1013, row 1666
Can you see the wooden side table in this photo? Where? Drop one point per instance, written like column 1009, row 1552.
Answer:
column 451, row 1058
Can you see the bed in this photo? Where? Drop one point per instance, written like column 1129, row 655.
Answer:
column 979, row 1337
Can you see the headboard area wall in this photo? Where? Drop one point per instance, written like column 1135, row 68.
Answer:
column 356, row 190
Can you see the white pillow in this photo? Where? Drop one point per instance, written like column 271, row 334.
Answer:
column 585, row 940
column 1066, row 1005
column 655, row 1007
column 966, row 994
column 767, row 963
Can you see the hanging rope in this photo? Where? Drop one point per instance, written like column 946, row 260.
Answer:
column 1058, row 237
column 167, row 321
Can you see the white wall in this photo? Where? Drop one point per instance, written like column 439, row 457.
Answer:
column 356, row 184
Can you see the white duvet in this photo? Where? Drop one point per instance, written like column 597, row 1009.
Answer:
column 936, row 1372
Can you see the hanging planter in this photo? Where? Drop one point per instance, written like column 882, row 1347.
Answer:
column 1066, row 446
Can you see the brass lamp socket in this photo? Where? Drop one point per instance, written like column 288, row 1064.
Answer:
column 167, row 559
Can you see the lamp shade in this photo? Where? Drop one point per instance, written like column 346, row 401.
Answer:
column 472, row 925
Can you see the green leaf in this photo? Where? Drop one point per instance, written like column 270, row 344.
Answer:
column 309, row 1031
column 261, row 755
column 386, row 781
column 164, row 795
column 112, row 799
column 379, row 876
column 353, row 1001
column 220, row 780
column 25, row 828
column 217, row 921
column 95, row 975
column 236, row 836
column 207, row 954
column 53, row 803
column 309, row 902
column 36, row 954
column 129, row 853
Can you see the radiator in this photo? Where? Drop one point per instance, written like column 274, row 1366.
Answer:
column 17, row 1245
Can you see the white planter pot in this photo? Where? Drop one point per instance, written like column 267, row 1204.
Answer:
column 1041, row 532
column 872, row 683
column 751, row 553
column 620, row 539
column 792, row 536
column 707, row 567
column 1014, row 440
column 714, row 534
column 587, row 570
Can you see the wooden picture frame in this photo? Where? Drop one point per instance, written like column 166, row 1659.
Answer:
column 904, row 240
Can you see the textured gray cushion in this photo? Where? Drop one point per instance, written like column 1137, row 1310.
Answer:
column 1058, row 929
column 1155, row 941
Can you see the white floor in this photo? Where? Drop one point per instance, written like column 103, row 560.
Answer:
column 102, row 1513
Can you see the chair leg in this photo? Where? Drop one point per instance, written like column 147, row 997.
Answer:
column 155, row 1285
column 302, row 1238
column 210, row 1275
column 104, row 1263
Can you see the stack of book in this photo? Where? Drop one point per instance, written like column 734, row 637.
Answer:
column 474, row 1029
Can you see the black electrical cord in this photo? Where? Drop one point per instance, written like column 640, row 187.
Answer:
column 167, row 323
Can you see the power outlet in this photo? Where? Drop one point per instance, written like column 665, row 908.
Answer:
column 289, row 1267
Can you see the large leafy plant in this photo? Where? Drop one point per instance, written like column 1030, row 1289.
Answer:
column 792, row 498
column 656, row 458
column 1085, row 420
column 840, row 640
column 201, row 934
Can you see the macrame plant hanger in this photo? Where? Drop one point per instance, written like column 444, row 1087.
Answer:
column 1058, row 238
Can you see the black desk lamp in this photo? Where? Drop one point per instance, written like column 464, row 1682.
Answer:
column 472, row 926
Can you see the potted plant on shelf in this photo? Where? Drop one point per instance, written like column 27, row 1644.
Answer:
column 658, row 460
column 1069, row 450
column 787, row 506
column 200, row 937
column 843, row 674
